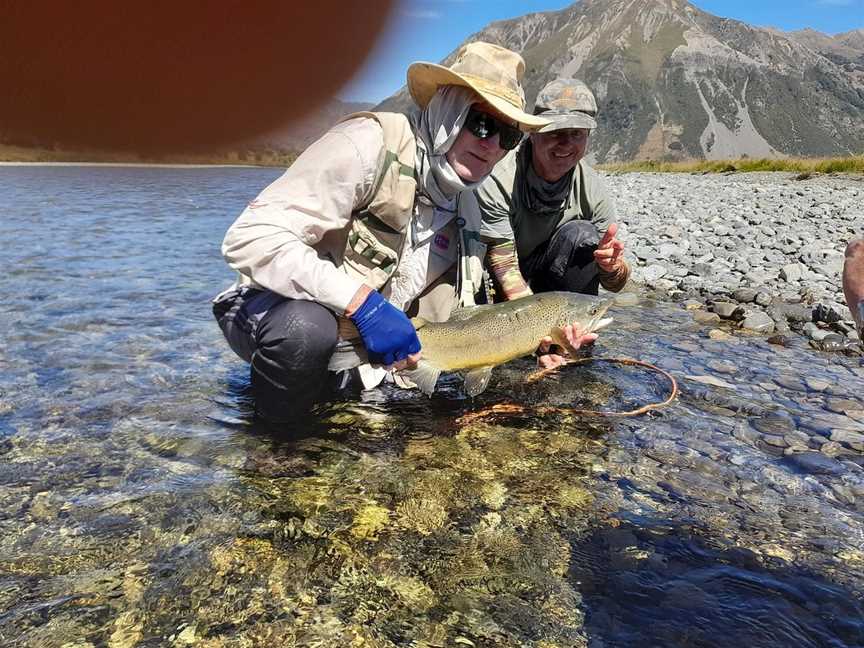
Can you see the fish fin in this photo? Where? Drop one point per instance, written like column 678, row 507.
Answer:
column 561, row 340
column 466, row 312
column 425, row 376
column 347, row 356
column 477, row 380
column 418, row 323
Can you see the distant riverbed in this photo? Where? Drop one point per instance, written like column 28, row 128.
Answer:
column 142, row 504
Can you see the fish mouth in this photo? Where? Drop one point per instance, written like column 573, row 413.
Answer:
column 599, row 322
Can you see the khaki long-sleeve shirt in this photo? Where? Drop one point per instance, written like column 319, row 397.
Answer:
column 289, row 238
column 292, row 237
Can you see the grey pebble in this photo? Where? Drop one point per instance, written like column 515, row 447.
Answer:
column 744, row 295
column 775, row 440
column 759, row 322
column 762, row 298
column 842, row 405
column 727, row 310
column 816, row 384
column 704, row 317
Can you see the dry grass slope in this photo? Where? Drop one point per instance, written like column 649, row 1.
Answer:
column 853, row 164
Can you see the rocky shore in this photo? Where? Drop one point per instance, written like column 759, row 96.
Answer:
column 761, row 251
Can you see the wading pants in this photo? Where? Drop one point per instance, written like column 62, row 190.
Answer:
column 565, row 261
column 287, row 343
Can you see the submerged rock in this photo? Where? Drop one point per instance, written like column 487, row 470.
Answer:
column 816, row 463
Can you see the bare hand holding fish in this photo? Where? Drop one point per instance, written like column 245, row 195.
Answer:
column 548, row 360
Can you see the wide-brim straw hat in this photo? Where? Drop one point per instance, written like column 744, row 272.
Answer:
column 491, row 71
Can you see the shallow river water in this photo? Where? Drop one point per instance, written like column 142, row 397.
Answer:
column 141, row 504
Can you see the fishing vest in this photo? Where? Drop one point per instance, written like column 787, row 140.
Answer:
column 378, row 230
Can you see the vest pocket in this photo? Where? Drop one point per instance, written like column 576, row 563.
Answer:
column 394, row 207
column 372, row 251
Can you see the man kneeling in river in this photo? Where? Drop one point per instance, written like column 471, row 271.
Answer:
column 547, row 215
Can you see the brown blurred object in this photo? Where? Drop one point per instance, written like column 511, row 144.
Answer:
column 173, row 76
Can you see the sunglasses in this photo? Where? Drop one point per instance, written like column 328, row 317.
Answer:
column 483, row 125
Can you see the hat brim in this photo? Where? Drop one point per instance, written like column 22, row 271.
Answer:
column 424, row 79
column 558, row 121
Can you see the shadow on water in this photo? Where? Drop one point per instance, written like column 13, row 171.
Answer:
column 387, row 417
column 379, row 418
column 660, row 585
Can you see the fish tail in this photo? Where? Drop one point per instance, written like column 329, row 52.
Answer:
column 347, row 356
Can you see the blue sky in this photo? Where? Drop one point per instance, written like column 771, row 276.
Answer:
column 428, row 30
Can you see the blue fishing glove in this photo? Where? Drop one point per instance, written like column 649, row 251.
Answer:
column 387, row 332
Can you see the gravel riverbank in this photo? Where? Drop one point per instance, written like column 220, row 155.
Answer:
column 762, row 250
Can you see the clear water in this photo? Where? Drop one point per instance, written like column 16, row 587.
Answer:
column 142, row 506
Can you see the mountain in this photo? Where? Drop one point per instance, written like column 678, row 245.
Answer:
column 846, row 50
column 673, row 81
column 277, row 148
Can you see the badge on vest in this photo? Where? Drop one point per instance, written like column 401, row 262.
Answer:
column 441, row 244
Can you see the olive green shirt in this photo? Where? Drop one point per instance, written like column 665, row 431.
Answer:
column 506, row 215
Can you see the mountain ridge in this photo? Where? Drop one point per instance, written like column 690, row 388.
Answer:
column 674, row 82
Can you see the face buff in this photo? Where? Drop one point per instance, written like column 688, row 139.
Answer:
column 536, row 194
column 437, row 127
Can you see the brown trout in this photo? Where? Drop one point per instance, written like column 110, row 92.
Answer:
column 476, row 339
